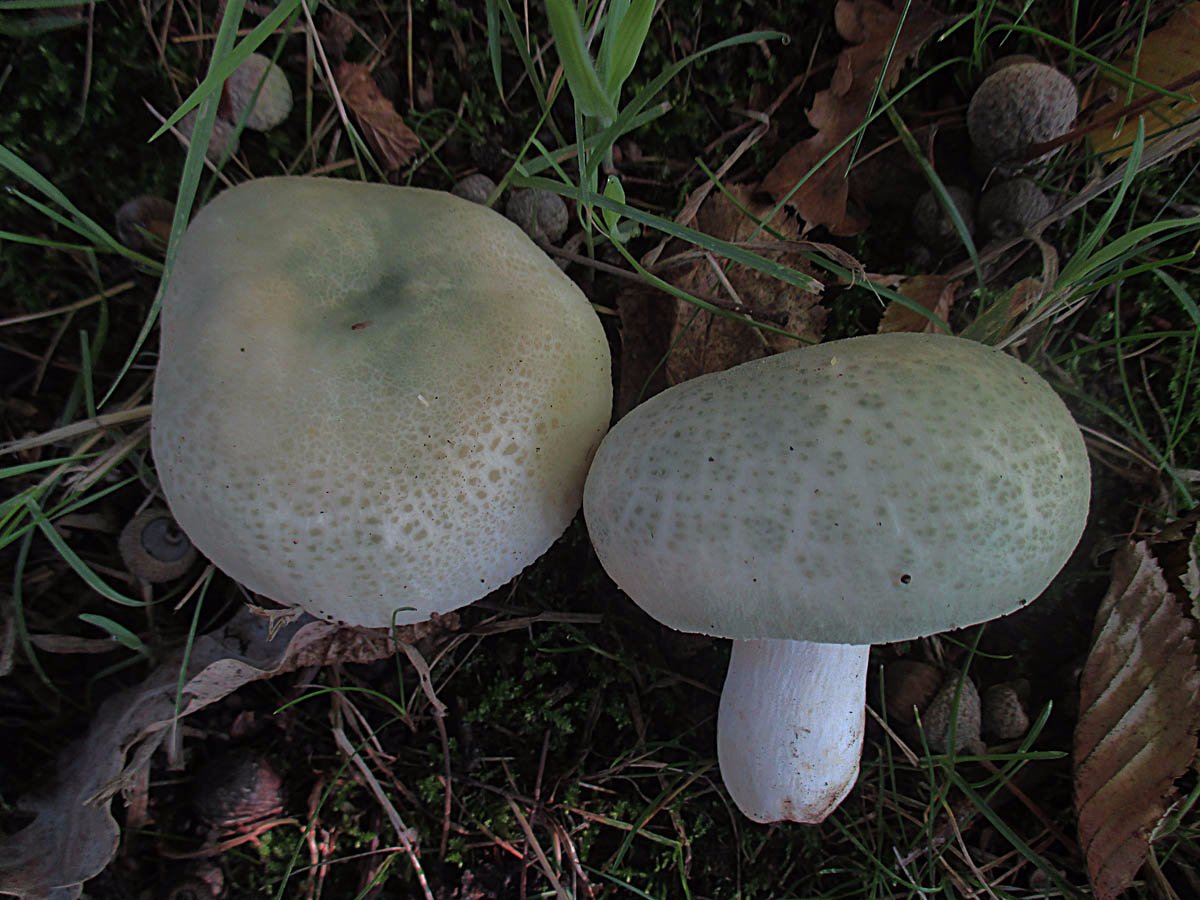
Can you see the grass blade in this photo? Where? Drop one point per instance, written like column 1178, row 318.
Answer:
column 586, row 89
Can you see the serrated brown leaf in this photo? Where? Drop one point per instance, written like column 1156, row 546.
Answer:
column 382, row 126
column 870, row 27
column 1138, row 718
column 934, row 292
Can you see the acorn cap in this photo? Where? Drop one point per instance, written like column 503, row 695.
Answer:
column 1020, row 105
column 273, row 101
column 541, row 214
column 1008, row 208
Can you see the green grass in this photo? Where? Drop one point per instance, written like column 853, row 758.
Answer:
column 580, row 749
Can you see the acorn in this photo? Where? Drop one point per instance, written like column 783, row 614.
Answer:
column 236, row 790
column 144, row 223
column 223, row 142
column 1008, row 208
column 274, row 100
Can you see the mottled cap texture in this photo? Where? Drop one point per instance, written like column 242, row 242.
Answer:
column 867, row 490
column 370, row 400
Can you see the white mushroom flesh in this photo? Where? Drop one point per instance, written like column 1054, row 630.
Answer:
column 790, row 727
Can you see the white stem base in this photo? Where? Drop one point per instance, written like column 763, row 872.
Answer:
column 790, row 727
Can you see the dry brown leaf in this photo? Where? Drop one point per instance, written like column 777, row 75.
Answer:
column 934, row 292
column 1167, row 55
column 703, row 342
column 656, row 327
column 870, row 26
column 1138, row 717
column 382, row 126
column 647, row 318
column 74, row 835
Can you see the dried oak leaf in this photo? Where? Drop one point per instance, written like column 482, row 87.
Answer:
column 73, row 835
column 704, row 342
column 934, row 292
column 665, row 341
column 647, row 317
column 1138, row 718
column 870, row 27
column 1166, row 55
column 382, row 126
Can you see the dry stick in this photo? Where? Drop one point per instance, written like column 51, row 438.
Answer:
column 51, row 350
column 573, row 857
column 1022, row 798
column 697, row 197
column 373, row 785
column 966, row 855
column 532, row 841
column 77, row 429
column 317, row 866
column 439, row 719
column 771, row 316
column 221, row 847
column 186, row 141
column 109, row 460
column 106, row 294
column 1039, row 844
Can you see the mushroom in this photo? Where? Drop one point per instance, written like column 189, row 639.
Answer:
column 374, row 403
column 815, row 502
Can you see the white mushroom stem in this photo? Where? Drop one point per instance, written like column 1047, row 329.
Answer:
column 790, row 727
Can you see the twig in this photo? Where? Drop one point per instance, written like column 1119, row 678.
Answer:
column 532, row 841
column 106, row 294
column 222, row 847
column 381, row 796
column 76, row 429
column 439, row 718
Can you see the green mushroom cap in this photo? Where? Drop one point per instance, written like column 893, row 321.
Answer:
column 372, row 401
column 862, row 491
